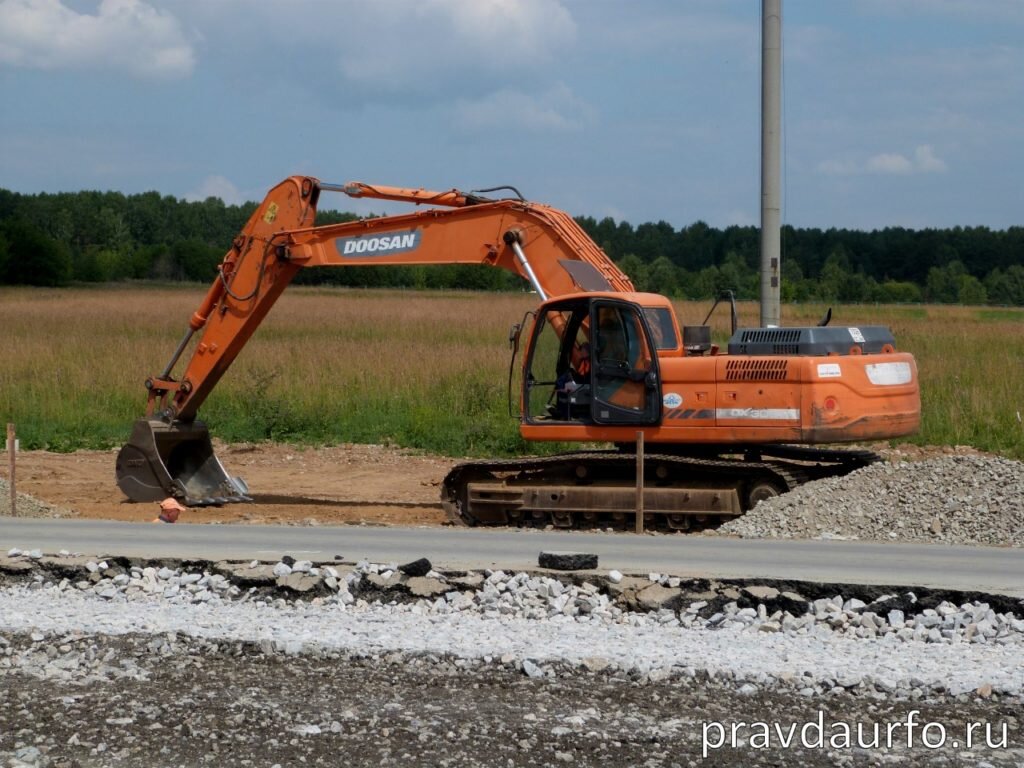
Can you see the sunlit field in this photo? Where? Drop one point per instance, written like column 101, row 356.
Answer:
column 416, row 369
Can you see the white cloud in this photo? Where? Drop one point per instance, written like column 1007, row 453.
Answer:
column 217, row 186
column 890, row 163
column 124, row 35
column 525, row 28
column 926, row 161
column 376, row 50
column 556, row 110
column 350, row 55
column 444, row 37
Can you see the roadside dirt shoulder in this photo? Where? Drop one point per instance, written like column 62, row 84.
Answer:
column 348, row 484
column 339, row 485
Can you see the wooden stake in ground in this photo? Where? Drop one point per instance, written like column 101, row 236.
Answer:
column 639, row 482
column 10, row 452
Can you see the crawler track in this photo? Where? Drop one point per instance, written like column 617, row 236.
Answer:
column 597, row 489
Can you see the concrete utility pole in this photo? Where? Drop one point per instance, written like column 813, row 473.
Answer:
column 771, row 120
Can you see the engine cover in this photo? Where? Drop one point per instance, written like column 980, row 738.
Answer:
column 812, row 341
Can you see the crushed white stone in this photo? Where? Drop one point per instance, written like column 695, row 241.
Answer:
column 535, row 622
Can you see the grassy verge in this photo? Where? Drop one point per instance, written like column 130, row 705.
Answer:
column 424, row 370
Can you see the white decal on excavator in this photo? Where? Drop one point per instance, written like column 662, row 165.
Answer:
column 379, row 245
column 829, row 371
column 757, row 414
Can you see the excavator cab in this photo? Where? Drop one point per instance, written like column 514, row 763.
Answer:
column 591, row 360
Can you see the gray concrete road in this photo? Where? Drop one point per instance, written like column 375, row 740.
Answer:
column 985, row 569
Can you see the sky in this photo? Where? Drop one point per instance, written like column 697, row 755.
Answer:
column 895, row 112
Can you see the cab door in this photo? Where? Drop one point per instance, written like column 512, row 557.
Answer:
column 626, row 380
column 560, row 330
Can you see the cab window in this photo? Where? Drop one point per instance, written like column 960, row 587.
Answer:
column 626, row 389
column 663, row 329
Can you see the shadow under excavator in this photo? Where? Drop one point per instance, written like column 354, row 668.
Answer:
column 270, row 498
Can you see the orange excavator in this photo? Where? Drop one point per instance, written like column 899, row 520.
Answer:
column 600, row 363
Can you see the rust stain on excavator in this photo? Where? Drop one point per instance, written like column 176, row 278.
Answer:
column 864, row 429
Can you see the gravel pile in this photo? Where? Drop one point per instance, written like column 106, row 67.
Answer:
column 963, row 499
column 28, row 506
column 650, row 628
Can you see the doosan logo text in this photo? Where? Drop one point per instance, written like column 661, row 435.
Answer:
column 379, row 245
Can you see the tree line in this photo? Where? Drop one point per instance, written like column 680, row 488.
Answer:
column 57, row 239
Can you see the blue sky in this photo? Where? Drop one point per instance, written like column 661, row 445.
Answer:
column 896, row 112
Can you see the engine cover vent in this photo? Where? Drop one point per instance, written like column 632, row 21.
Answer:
column 771, row 335
column 757, row 369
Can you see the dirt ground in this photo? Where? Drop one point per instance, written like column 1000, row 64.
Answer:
column 341, row 485
column 350, row 484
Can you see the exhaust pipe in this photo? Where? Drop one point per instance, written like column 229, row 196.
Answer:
column 177, row 460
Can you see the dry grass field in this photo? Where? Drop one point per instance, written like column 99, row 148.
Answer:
column 418, row 369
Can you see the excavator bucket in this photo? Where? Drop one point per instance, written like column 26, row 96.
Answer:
column 161, row 460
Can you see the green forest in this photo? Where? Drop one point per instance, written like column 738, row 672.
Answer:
column 83, row 237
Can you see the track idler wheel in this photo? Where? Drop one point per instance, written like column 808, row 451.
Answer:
column 762, row 490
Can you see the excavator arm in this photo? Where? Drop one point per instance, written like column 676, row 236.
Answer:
column 169, row 453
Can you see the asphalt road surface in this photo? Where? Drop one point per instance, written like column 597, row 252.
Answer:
column 985, row 569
